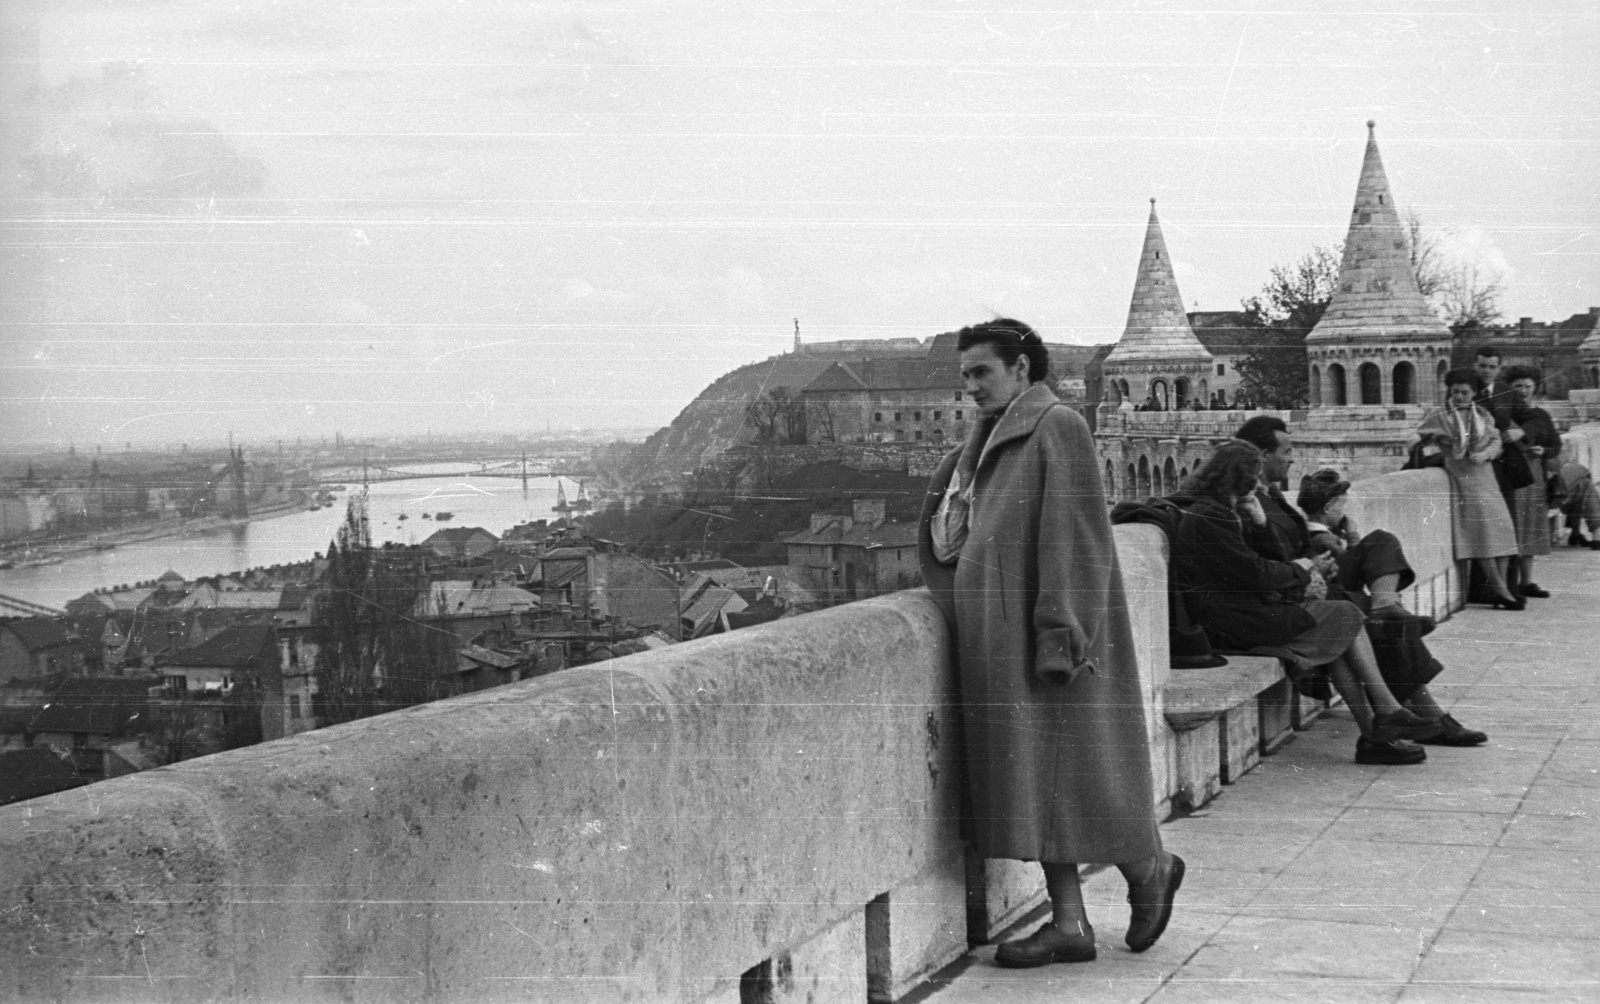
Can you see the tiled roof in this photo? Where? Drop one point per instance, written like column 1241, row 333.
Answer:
column 1377, row 296
column 891, row 534
column 1157, row 329
column 98, row 705
column 39, row 633
column 459, row 534
column 240, row 647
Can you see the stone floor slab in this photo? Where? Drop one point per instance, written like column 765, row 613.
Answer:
column 1410, row 826
column 1482, row 961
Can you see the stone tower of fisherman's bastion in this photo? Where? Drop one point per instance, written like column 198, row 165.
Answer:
column 1375, row 361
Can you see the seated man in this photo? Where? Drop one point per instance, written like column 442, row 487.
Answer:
column 1403, row 659
column 1582, row 506
column 1374, row 563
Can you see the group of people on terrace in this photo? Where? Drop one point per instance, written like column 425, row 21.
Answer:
column 1510, row 481
column 1017, row 550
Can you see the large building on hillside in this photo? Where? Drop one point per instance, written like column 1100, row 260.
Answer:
column 901, row 396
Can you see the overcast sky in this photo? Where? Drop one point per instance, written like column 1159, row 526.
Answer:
column 287, row 218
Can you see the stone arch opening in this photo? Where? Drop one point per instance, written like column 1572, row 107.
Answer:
column 1316, row 386
column 1123, row 386
column 1110, row 487
column 1131, row 486
column 1180, row 392
column 1161, row 393
column 1170, row 476
column 1336, row 385
column 1371, row 380
column 1405, row 383
column 1144, row 477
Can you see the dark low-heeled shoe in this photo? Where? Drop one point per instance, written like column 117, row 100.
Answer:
column 1453, row 733
column 1393, row 753
column 1403, row 724
column 1396, row 614
column 1046, row 945
column 1501, row 603
column 1532, row 590
column 1152, row 903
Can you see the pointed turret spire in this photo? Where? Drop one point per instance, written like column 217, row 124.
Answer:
column 1158, row 329
column 1376, row 298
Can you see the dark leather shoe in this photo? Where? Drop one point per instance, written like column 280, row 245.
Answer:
column 1532, row 590
column 1402, row 724
column 1501, row 603
column 1152, row 902
column 1396, row 614
column 1453, row 733
column 1046, row 945
column 1394, row 752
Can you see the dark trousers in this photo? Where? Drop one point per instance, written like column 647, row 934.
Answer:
column 1403, row 659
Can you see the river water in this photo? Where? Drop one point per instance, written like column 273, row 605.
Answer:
column 496, row 504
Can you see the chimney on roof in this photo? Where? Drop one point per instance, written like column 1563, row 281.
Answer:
column 820, row 521
column 867, row 512
column 1524, row 324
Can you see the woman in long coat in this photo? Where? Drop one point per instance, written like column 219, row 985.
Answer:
column 1530, row 505
column 1016, row 546
column 1465, row 436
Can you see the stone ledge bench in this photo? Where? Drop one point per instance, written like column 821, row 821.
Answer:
column 1224, row 720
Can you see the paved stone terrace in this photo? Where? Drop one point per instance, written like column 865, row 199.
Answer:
column 1473, row 877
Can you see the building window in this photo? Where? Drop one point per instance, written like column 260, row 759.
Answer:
column 938, row 415
column 919, row 433
column 1222, row 369
column 916, row 416
column 897, row 416
column 294, row 705
column 958, row 414
column 958, row 395
column 899, row 434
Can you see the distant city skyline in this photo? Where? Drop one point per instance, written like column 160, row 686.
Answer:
column 285, row 219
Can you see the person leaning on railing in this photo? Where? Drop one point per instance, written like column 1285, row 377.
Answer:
column 1248, row 602
column 1461, row 437
column 1017, row 549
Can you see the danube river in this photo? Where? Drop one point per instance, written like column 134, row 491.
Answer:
column 496, row 504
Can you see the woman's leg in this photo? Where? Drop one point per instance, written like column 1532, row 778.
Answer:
column 1066, row 897
column 1494, row 570
column 1385, row 591
column 1355, row 696
column 1363, row 663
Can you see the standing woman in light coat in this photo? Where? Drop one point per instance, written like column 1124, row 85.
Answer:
column 1016, row 547
column 1464, row 435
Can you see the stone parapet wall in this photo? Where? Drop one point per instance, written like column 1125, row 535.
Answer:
column 780, row 805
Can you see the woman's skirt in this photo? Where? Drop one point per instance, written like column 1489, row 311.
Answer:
column 1530, row 516
column 1338, row 623
column 1481, row 520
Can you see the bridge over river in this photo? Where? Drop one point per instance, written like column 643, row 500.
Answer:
column 368, row 472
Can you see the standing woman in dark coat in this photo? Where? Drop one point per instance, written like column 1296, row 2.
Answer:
column 1017, row 549
column 1535, row 435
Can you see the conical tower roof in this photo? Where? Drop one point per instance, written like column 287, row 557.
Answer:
column 1158, row 330
column 1377, row 298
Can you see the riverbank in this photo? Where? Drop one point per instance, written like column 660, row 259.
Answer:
column 53, row 551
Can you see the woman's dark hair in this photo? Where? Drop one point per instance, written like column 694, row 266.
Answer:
column 1466, row 376
column 1231, row 472
column 1319, row 489
column 1011, row 340
column 1512, row 374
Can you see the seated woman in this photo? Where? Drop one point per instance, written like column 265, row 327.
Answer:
column 1403, row 658
column 1250, row 602
column 1464, row 435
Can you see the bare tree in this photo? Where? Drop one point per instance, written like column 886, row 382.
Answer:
column 1469, row 297
column 1427, row 260
column 820, row 418
column 761, row 414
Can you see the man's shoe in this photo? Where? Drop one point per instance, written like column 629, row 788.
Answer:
column 1576, row 539
column 1402, row 724
column 1046, row 945
column 1152, row 902
column 1531, row 589
column 1393, row 752
column 1594, row 545
column 1453, row 733
column 1394, row 613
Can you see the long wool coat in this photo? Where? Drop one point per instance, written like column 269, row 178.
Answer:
column 1057, row 757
